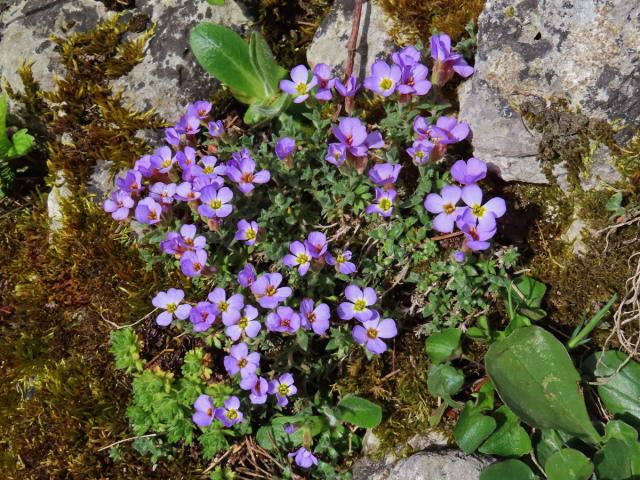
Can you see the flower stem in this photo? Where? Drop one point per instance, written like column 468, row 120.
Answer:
column 349, row 102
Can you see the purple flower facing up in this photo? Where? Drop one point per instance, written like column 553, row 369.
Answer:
column 283, row 320
column 285, row 147
column 240, row 360
column 445, row 62
column 243, row 174
column 246, row 324
column 210, row 166
column 199, row 109
column 247, row 276
column 447, row 130
column 267, row 291
column 316, row 243
column 336, row 154
column 384, row 174
column 118, row 205
column 247, row 232
column 216, row 128
column 358, row 304
column 189, row 124
column 230, row 414
column 407, row 57
column 201, row 181
column 148, row 211
column 171, row 302
column 229, row 308
column 348, row 88
column 315, row 318
column 325, row 81
column 484, row 214
column 420, row 151
column 131, row 183
column 186, row 240
column 283, row 388
column 383, row 79
column 299, row 86
column 371, row 333
column 304, row 458
column 353, row 135
column 186, row 193
column 215, row 202
column 414, row 80
column 299, row 257
column 204, row 411
column 258, row 387
column 163, row 192
column 471, row 171
column 193, row 262
column 237, row 157
column 342, row 262
column 476, row 235
column 162, row 160
column 202, row 316
column 383, row 204
column 445, row 205
column 186, row 158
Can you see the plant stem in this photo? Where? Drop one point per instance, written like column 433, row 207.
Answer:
column 349, row 102
column 593, row 323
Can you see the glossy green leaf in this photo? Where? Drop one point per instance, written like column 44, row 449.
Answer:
column 508, row 470
column 444, row 345
column 568, row 464
column 618, row 460
column 225, row 55
column 619, row 391
column 620, row 430
column 264, row 64
column 473, row 428
column 533, row 374
column 548, row 443
column 509, row 439
column 359, row 411
column 444, row 381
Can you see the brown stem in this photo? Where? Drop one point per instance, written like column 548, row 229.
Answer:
column 446, row 235
column 349, row 102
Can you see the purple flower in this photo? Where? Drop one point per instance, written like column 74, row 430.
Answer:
column 265, row 288
column 445, row 62
column 282, row 388
column 476, row 236
column 258, row 387
column 230, row 414
column 118, row 205
column 348, row 88
column 215, row 203
column 237, row 157
column 199, row 109
column 445, row 205
column 316, row 319
column 228, row 308
column 342, row 262
column 190, row 124
column 372, row 331
column 243, row 174
column 357, row 306
column 205, row 180
column 299, row 257
column 406, row 57
column 471, row 171
column 459, row 256
column 283, row 320
column 163, row 160
column 210, row 166
column 420, row 151
column 285, row 147
column 163, row 192
column 172, row 244
column 289, row 428
column 247, row 232
column 216, row 128
column 171, row 302
column 148, row 211
column 383, row 174
column 186, row 193
column 131, row 183
column 446, row 130
column 192, row 262
column 202, row 316
column 186, row 158
column 353, row 135
column 172, row 136
column 336, row 154
column 240, row 360
column 383, row 204
column 484, row 214
column 204, row 411
column 414, row 80
column 300, row 86
column 316, row 243
column 246, row 324
column 383, row 79
column 303, row 458
column 247, row 276
column 186, row 240
column 324, row 80
column 144, row 166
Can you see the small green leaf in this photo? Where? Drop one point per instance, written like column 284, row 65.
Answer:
column 216, row 2
column 550, row 442
column 618, row 460
column 510, row 439
column 508, row 470
column 472, row 429
column 620, row 430
column 359, row 411
column 274, row 431
column 444, row 381
column 444, row 345
column 21, row 144
column 568, row 464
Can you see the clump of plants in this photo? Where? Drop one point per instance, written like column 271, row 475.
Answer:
column 11, row 147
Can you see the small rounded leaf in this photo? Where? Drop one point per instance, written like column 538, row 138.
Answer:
column 509, row 470
column 568, row 464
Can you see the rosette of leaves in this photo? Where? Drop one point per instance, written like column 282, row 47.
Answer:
column 16, row 146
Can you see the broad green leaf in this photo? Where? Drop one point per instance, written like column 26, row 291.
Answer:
column 508, row 470
column 533, row 374
column 267, row 109
column 619, row 391
column 549, row 442
column 620, row 430
column 442, row 346
column 359, row 411
column 618, row 460
column 568, row 464
column 274, row 431
column 444, row 381
column 21, row 144
column 264, row 64
column 510, row 439
column 473, row 428
column 225, row 55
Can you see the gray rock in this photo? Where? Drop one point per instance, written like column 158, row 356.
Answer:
column 329, row 43
column 586, row 51
column 169, row 77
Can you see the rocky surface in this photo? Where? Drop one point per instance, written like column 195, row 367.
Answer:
column 329, row 43
column 586, row 51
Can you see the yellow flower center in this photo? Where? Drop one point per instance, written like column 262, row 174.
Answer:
column 223, row 306
column 172, row 307
column 386, row 83
column 242, row 363
column 372, row 333
column 302, row 88
column 340, row 259
column 385, row 204
column 311, row 316
column 360, row 305
column 250, row 234
column 208, row 169
column 302, row 259
column 243, row 323
column 247, row 177
column 166, row 163
column 283, row 389
column 448, row 208
column 232, row 414
column 478, row 210
column 153, row 215
column 215, row 204
column 270, row 291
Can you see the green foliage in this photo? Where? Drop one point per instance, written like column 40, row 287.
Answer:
column 511, row 469
column 216, row 2
column 509, row 439
column 568, row 464
column 444, row 345
column 124, row 346
column 473, row 428
column 16, row 146
column 445, row 381
column 359, row 411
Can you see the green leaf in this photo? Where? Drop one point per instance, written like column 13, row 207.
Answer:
column 444, row 345
column 473, row 428
column 216, row 2
column 21, row 144
column 619, row 391
column 225, row 55
column 510, row 439
column 620, row 430
column 267, row 109
column 508, row 470
column 528, row 291
column 274, row 431
column 548, row 444
column 3, row 116
column 264, row 64
column 568, row 464
column 444, row 381
column 359, row 411
column 533, row 374
column 618, row 460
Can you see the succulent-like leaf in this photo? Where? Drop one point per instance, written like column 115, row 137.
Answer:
column 508, row 470
column 473, row 428
column 359, row 411
column 442, row 346
column 568, row 464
